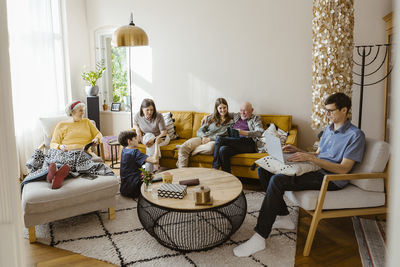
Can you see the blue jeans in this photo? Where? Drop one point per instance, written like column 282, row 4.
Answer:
column 226, row 147
column 275, row 186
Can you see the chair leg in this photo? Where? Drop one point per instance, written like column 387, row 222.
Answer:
column 311, row 234
column 111, row 213
column 32, row 234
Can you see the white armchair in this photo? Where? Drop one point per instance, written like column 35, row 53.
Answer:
column 41, row 204
column 365, row 195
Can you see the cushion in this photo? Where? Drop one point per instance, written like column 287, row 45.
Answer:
column 375, row 158
column 183, row 123
column 275, row 131
column 38, row 197
column 282, row 121
column 197, row 117
column 169, row 123
column 275, row 166
column 349, row 197
column 48, row 126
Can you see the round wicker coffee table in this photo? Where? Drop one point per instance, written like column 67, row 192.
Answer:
column 181, row 225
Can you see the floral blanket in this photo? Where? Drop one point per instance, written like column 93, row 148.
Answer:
column 78, row 161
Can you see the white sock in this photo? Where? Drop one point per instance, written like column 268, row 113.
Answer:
column 284, row 222
column 254, row 244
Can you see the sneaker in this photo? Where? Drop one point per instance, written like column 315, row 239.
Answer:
column 51, row 172
column 60, row 176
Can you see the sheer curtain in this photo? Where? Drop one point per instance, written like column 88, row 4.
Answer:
column 37, row 69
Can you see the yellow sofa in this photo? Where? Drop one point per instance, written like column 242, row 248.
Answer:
column 187, row 123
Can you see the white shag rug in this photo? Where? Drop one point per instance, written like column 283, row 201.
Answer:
column 124, row 242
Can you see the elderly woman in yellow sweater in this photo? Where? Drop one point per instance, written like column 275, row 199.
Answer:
column 73, row 134
column 76, row 132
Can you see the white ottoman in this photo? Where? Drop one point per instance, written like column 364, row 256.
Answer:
column 41, row 204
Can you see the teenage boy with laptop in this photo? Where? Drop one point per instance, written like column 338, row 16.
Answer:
column 342, row 145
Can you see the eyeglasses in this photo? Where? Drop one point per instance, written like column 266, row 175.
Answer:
column 330, row 111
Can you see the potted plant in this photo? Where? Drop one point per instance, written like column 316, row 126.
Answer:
column 92, row 76
column 147, row 177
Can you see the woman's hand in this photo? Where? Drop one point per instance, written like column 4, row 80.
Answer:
column 150, row 143
column 95, row 142
column 64, row 148
column 205, row 140
column 139, row 135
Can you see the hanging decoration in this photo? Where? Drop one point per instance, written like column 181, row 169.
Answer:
column 332, row 54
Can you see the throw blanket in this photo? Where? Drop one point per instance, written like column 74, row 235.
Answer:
column 78, row 161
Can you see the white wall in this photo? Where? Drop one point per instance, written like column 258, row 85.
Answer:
column 259, row 52
column 369, row 29
column 78, row 52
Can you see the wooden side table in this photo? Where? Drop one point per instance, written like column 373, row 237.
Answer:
column 114, row 148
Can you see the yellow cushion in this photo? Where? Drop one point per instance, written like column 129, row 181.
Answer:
column 197, row 116
column 282, row 121
column 166, row 151
column 183, row 123
column 246, row 159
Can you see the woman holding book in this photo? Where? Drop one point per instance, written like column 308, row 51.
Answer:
column 216, row 125
column 150, row 125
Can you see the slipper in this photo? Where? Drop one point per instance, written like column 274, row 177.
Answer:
column 59, row 177
column 51, row 172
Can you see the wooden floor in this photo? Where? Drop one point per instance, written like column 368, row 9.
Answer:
column 334, row 245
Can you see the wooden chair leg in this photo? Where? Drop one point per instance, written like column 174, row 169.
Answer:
column 32, row 234
column 311, row 234
column 111, row 213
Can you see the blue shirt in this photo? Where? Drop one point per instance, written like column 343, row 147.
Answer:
column 131, row 161
column 346, row 142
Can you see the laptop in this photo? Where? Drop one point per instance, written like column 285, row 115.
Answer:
column 274, row 149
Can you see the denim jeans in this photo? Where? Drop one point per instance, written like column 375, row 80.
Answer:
column 275, row 186
column 226, row 147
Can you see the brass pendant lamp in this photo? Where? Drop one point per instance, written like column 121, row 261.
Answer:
column 128, row 36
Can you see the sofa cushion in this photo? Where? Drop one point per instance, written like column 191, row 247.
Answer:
column 282, row 121
column 168, row 150
column 183, row 123
column 375, row 158
column 246, row 159
column 197, row 117
column 349, row 197
column 38, row 197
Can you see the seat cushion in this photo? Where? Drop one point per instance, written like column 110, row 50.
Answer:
column 375, row 158
column 168, row 150
column 349, row 197
column 38, row 197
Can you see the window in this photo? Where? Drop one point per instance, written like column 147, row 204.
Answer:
column 114, row 85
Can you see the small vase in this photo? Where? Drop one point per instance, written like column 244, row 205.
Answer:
column 148, row 187
column 92, row 90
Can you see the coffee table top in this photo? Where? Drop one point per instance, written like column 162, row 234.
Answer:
column 224, row 188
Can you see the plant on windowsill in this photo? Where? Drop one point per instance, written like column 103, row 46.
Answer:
column 92, row 76
column 147, row 177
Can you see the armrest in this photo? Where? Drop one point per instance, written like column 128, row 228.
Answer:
column 354, row 176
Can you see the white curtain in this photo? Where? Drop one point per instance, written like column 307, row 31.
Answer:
column 37, row 69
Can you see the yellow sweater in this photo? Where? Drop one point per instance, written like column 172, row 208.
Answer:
column 75, row 135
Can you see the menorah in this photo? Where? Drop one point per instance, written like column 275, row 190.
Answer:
column 367, row 79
